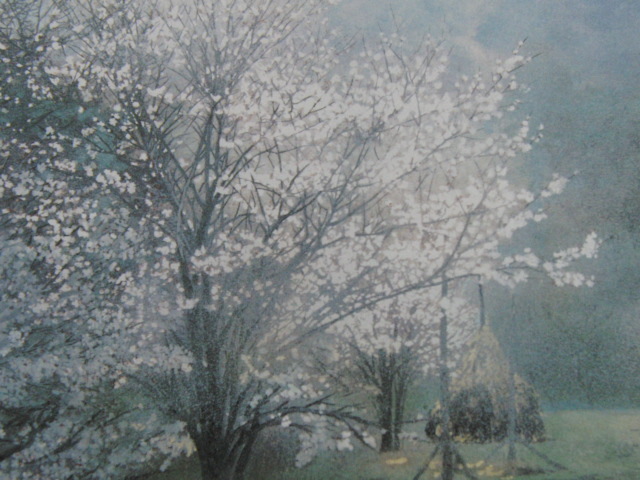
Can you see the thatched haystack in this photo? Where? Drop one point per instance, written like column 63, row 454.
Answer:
column 481, row 395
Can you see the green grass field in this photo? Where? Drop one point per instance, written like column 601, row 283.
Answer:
column 591, row 444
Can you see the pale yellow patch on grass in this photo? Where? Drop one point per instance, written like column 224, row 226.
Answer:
column 396, row 461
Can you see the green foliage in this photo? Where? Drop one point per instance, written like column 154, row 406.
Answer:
column 575, row 348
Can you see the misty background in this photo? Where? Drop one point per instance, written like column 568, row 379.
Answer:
column 579, row 347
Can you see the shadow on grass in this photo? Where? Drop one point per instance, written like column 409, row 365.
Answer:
column 591, row 444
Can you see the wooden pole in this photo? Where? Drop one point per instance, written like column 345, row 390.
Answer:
column 445, row 436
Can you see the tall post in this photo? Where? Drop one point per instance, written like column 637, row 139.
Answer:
column 445, row 437
column 512, row 410
column 483, row 318
column 511, row 423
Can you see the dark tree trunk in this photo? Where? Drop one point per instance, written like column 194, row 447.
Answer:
column 219, row 460
column 390, row 439
column 391, row 400
column 210, row 469
column 401, row 386
column 217, row 345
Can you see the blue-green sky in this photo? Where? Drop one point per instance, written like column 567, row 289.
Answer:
column 597, row 40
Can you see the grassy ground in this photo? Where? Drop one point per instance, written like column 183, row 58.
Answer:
column 591, row 444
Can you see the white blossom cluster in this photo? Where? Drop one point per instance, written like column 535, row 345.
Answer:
column 194, row 194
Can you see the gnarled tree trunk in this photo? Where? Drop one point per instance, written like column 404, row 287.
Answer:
column 222, row 459
column 394, row 379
